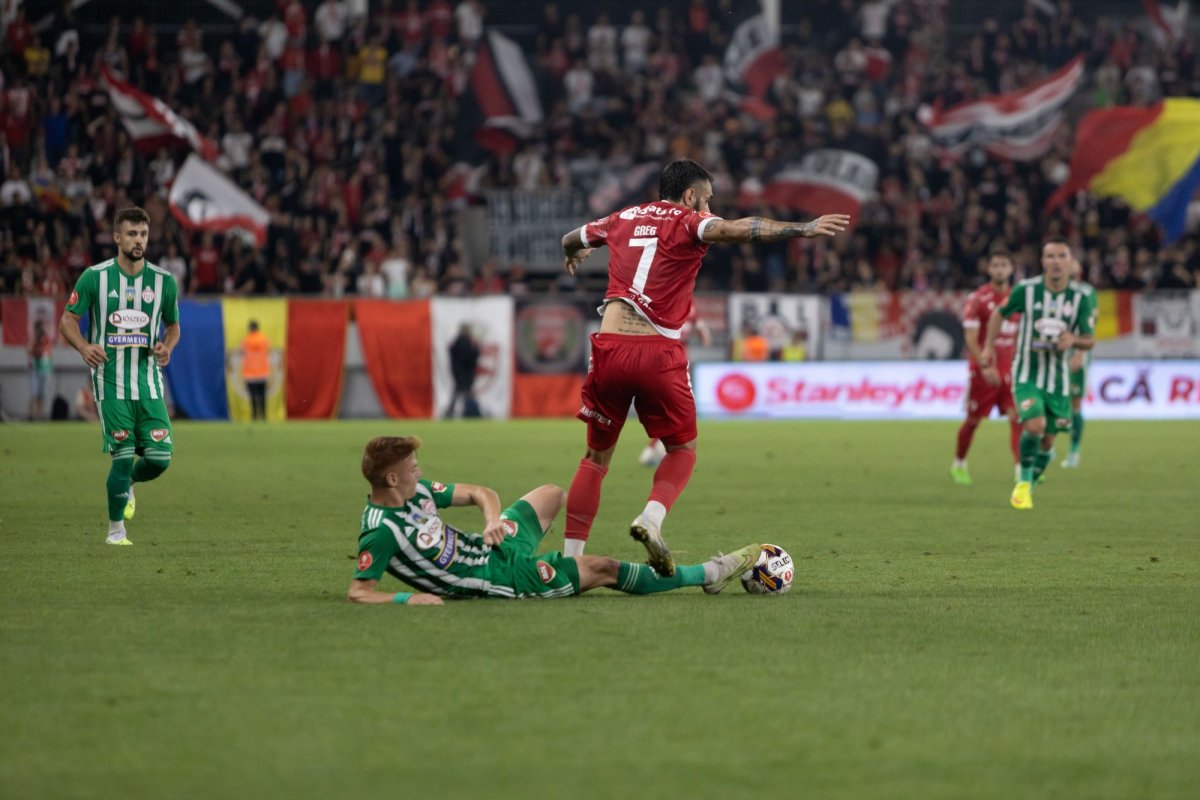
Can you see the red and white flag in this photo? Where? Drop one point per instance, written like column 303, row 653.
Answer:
column 1169, row 24
column 502, row 86
column 151, row 122
column 753, row 58
column 1019, row 125
column 203, row 199
column 823, row 182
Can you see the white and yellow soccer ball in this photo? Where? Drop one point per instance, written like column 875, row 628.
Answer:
column 772, row 573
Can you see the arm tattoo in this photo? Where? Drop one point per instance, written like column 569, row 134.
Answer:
column 755, row 229
column 769, row 230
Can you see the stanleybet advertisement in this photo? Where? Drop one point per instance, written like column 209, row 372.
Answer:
column 1117, row 389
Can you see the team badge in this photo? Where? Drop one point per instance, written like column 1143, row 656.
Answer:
column 364, row 560
column 74, row 299
column 545, row 572
column 1026, row 403
column 427, row 505
column 510, row 527
column 120, row 436
column 158, row 434
column 147, row 295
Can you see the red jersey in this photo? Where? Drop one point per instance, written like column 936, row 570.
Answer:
column 980, row 305
column 654, row 253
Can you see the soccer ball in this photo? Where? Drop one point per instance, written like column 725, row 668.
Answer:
column 771, row 574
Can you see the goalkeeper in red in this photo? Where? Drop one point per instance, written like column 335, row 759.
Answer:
column 1056, row 316
column 989, row 387
column 127, row 300
column 403, row 534
column 638, row 357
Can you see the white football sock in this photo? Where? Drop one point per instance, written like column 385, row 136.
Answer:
column 656, row 512
column 960, row 463
column 710, row 570
column 116, row 529
column 573, row 547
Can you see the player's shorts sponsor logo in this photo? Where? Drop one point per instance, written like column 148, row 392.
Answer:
column 736, row 392
column 73, row 299
column 510, row 527
column 127, row 340
column 129, row 318
column 159, row 434
column 545, row 572
column 120, row 436
column 147, row 295
column 1027, row 404
column 364, row 560
column 591, row 413
column 1063, row 423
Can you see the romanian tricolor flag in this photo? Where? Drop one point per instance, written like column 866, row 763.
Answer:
column 1150, row 157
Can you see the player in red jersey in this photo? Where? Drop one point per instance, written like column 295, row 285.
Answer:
column 992, row 386
column 654, row 451
column 638, row 356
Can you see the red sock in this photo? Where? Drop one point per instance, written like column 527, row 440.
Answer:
column 583, row 499
column 965, row 434
column 1014, row 440
column 672, row 476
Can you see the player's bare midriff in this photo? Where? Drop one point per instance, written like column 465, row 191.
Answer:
column 619, row 317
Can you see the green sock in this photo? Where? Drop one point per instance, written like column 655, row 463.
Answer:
column 640, row 579
column 1039, row 463
column 147, row 469
column 1030, row 447
column 1076, row 431
column 118, row 487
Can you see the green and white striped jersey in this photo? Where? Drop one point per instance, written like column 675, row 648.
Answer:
column 1089, row 290
column 125, row 313
column 413, row 544
column 1045, row 316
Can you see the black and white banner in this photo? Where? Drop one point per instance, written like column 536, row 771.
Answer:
column 823, row 182
column 1019, row 125
column 753, row 58
column 1167, row 324
column 781, row 319
column 202, row 198
column 503, row 90
column 151, row 123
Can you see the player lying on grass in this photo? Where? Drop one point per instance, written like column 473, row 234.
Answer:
column 402, row 534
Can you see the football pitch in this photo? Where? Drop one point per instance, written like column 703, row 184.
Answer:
column 936, row 644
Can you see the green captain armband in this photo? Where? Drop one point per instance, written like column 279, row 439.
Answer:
column 401, row 597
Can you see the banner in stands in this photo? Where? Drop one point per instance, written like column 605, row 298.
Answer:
column 462, row 326
column 551, row 335
column 780, row 318
column 528, row 226
column 1118, row 389
column 1167, row 324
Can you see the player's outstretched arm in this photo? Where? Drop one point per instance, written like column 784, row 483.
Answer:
column 365, row 592
column 753, row 230
column 574, row 251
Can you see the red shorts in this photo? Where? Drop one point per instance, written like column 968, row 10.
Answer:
column 649, row 371
column 982, row 397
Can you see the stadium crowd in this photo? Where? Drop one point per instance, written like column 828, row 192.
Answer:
column 347, row 129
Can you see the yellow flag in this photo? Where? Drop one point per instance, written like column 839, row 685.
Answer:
column 271, row 317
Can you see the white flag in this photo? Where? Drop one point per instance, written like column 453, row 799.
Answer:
column 204, row 199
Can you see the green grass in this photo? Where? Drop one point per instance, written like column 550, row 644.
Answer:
column 937, row 644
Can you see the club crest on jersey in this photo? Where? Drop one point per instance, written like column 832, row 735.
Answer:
column 120, row 436
column 427, row 505
column 147, row 295
column 545, row 572
column 437, row 487
column 364, row 560
column 158, row 434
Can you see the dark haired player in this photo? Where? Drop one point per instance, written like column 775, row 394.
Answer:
column 126, row 299
column 655, row 251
